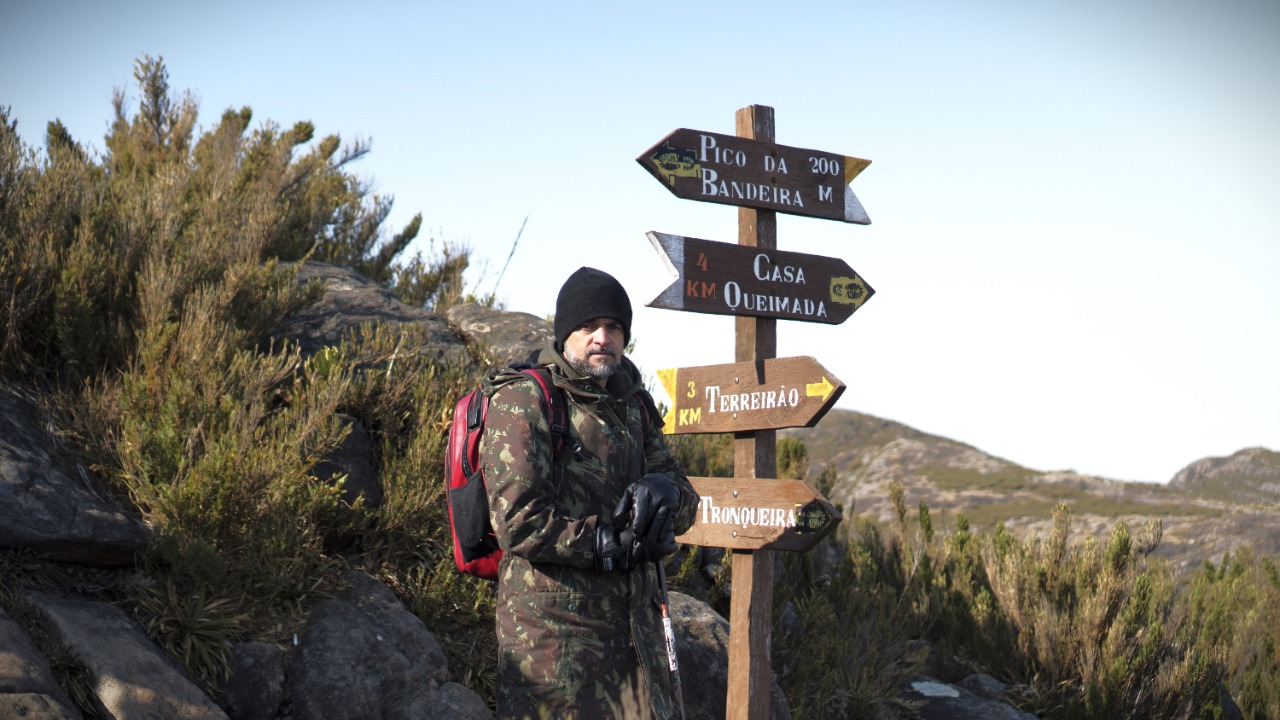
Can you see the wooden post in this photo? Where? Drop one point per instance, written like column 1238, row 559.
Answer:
column 754, row 455
column 784, row 179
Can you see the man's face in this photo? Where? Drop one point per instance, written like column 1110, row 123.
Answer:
column 595, row 347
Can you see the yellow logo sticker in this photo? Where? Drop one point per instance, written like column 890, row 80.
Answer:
column 673, row 163
column 849, row 291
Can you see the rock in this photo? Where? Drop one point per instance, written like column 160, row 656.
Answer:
column 983, row 685
column 459, row 702
column 702, row 645
column 351, row 299
column 942, row 701
column 131, row 677
column 363, row 655
column 354, row 459
column 710, row 561
column 1251, row 475
column 255, row 688
column 509, row 336
column 34, row 706
column 933, row 663
column 27, row 686
column 48, row 502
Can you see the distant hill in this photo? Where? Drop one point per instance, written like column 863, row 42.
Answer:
column 1213, row 506
column 1250, row 476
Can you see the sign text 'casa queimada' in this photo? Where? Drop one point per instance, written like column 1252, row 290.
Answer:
column 731, row 279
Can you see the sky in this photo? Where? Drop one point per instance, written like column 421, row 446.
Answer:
column 1075, row 205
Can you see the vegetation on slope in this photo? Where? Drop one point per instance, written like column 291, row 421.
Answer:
column 1080, row 630
column 139, row 289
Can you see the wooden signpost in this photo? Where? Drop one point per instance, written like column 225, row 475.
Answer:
column 739, row 397
column 757, row 173
column 749, row 513
column 759, row 514
column 726, row 279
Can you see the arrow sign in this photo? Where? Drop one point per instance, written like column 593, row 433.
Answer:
column 757, row 513
column 745, row 396
column 729, row 279
column 731, row 170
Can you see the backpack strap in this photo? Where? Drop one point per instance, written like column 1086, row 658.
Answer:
column 648, row 410
column 557, row 411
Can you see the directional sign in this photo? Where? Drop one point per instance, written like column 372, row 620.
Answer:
column 727, row 169
column 757, row 513
column 745, row 396
column 730, row 279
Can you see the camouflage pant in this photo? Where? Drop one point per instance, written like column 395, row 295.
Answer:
column 559, row 657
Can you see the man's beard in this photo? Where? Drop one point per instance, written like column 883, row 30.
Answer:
column 584, row 365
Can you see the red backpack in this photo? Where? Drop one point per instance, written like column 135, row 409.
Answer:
column 475, row 549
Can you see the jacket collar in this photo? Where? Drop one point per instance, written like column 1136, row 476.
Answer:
column 624, row 382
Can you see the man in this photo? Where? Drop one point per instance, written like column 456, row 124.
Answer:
column 578, row 615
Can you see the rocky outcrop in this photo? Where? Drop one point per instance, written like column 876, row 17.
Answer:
column 27, row 686
column 34, row 707
column 51, row 504
column 1250, row 476
column 352, row 461
column 508, row 336
column 129, row 675
column 254, row 688
column 977, row 697
column 1214, row 506
column 702, row 646
column 351, row 300
column 364, row 656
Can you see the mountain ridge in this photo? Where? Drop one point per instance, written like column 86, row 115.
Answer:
column 1213, row 506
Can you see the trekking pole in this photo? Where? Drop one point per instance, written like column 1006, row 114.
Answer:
column 671, row 638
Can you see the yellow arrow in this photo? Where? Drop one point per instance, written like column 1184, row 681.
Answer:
column 667, row 376
column 853, row 167
column 819, row 389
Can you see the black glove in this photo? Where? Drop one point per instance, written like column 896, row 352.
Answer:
column 659, row 542
column 615, row 543
column 615, row 549
column 653, row 492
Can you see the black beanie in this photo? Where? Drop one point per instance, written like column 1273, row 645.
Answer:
column 590, row 294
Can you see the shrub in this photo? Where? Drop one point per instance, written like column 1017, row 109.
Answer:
column 1231, row 621
column 1082, row 631
column 91, row 249
column 140, row 287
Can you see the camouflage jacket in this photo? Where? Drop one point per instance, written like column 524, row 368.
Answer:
column 573, row 643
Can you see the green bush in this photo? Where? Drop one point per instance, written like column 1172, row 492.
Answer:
column 93, row 249
column 1089, row 630
column 139, row 289
column 1232, row 622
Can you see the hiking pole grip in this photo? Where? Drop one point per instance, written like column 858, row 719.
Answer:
column 670, row 634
